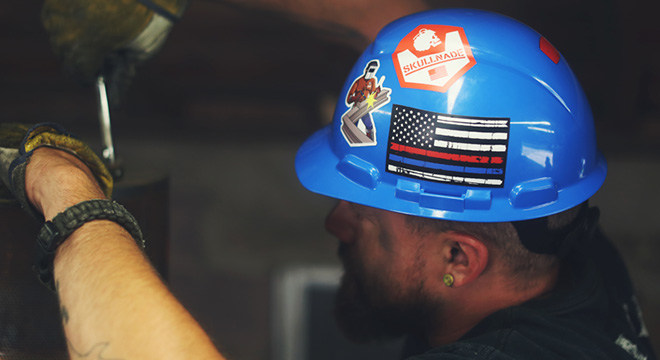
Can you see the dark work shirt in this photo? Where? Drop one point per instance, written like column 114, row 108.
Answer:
column 592, row 314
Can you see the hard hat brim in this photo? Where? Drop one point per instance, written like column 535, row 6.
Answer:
column 316, row 166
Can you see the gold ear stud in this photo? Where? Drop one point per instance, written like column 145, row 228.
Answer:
column 448, row 279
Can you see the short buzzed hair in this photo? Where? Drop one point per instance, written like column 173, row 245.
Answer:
column 502, row 239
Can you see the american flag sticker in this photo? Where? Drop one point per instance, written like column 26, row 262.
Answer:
column 469, row 151
column 438, row 72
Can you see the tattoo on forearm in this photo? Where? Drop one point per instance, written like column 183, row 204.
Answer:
column 95, row 353
column 63, row 312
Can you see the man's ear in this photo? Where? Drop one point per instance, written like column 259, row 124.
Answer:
column 466, row 256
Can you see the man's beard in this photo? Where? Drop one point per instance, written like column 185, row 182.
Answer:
column 372, row 306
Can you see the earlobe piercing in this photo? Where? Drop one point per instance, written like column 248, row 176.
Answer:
column 448, row 279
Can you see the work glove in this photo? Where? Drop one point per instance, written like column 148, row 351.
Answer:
column 17, row 143
column 108, row 37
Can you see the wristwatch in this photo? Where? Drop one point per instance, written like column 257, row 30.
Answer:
column 54, row 232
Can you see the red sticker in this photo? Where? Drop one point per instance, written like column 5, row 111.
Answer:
column 549, row 50
column 432, row 57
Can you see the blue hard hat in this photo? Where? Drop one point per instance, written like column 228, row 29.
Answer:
column 462, row 115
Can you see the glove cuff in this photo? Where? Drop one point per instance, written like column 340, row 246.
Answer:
column 17, row 180
column 162, row 11
column 52, row 135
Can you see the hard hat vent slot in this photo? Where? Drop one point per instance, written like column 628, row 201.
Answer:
column 408, row 190
column 469, row 199
column 477, row 199
column 359, row 171
column 442, row 202
column 533, row 193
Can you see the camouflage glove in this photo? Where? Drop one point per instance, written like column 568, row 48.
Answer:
column 18, row 141
column 108, row 37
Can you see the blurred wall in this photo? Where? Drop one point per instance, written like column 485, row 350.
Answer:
column 234, row 91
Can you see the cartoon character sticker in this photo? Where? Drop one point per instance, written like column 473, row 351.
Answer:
column 364, row 97
column 432, row 57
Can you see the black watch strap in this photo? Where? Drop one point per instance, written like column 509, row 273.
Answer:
column 56, row 231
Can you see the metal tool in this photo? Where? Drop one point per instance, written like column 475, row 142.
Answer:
column 112, row 162
column 104, row 119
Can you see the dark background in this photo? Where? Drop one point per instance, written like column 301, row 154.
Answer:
column 222, row 108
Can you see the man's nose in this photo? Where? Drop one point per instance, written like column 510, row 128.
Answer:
column 341, row 222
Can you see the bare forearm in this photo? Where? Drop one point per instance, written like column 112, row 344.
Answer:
column 113, row 304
